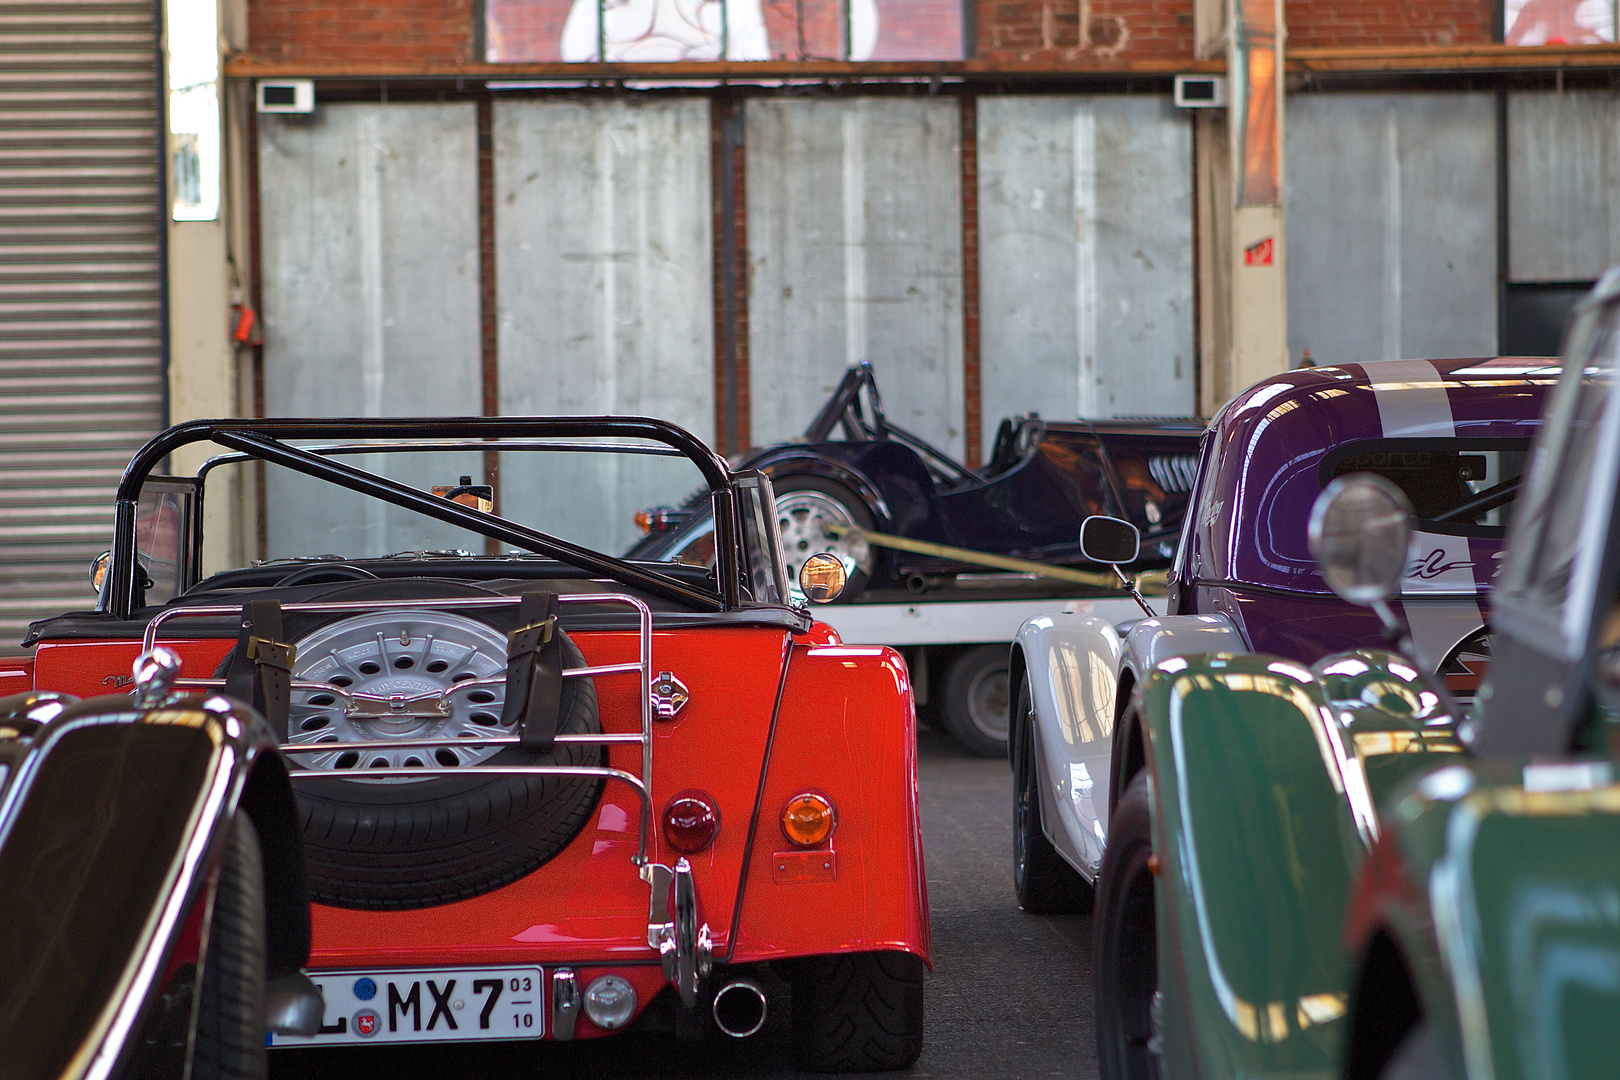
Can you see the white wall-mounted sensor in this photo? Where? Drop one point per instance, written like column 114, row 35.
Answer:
column 298, row 95
column 1198, row 91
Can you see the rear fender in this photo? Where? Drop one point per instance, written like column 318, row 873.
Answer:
column 1261, row 815
column 801, row 461
column 1073, row 661
column 846, row 730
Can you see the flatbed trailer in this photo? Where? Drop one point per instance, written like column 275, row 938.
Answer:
column 958, row 649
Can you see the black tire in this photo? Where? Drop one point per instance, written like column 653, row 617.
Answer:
column 1042, row 881
column 858, row 1012
column 1125, row 944
column 977, row 707
column 433, row 842
column 230, row 1012
column 802, row 539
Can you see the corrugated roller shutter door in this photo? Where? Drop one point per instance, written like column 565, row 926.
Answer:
column 80, row 300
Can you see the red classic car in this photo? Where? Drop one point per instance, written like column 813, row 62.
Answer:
column 546, row 793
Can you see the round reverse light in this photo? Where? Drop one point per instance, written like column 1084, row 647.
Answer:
column 691, row 821
column 808, row 819
column 610, row 1002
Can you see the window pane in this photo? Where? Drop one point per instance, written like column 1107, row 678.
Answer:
column 1558, row 22
column 668, row 31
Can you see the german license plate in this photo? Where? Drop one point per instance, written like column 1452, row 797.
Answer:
column 427, row 1005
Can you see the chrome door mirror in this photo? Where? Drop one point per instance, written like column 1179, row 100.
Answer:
column 1359, row 533
column 1109, row 540
column 822, row 577
column 98, row 570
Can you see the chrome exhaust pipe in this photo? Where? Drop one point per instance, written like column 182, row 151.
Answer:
column 739, row 1008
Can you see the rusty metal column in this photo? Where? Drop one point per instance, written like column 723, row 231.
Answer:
column 1259, row 312
column 1242, row 273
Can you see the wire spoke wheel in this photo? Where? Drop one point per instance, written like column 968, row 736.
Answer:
column 804, row 517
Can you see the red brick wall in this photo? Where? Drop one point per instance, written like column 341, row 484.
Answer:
column 1053, row 30
column 401, row 30
column 442, row 30
column 1350, row 23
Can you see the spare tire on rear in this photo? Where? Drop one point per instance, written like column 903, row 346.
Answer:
column 399, row 844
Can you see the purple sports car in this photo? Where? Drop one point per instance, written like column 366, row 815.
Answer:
column 1453, row 435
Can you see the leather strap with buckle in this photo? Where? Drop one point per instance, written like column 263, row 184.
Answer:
column 260, row 670
column 534, row 664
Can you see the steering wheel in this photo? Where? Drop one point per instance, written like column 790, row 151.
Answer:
column 306, row 575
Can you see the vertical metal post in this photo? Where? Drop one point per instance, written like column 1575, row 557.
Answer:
column 164, row 208
column 601, row 31
column 972, row 397
column 1502, row 252
column 730, row 140
column 488, row 298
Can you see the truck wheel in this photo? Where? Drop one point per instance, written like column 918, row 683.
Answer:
column 858, row 1012
column 230, row 1014
column 805, row 507
column 1043, row 882
column 976, row 700
column 1125, row 944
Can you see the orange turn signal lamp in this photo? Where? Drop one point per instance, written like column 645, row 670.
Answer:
column 661, row 519
column 808, row 819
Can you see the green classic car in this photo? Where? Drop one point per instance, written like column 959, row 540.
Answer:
column 1333, row 871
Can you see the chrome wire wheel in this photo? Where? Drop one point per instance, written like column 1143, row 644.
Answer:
column 410, row 667
column 803, row 518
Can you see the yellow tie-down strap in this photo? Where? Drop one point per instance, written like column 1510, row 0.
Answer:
column 1151, row 582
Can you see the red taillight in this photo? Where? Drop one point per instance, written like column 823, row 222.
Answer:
column 691, row 821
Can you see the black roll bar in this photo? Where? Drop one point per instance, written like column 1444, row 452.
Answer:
column 261, row 439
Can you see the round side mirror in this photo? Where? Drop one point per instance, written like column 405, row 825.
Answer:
column 822, row 577
column 1109, row 540
column 98, row 570
column 1359, row 533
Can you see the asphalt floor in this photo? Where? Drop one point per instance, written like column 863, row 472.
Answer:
column 1009, row 994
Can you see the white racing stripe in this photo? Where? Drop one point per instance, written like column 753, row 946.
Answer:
column 1412, row 401
column 1412, row 404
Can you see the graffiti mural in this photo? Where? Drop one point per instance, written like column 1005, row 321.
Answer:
column 667, row 31
column 1558, row 22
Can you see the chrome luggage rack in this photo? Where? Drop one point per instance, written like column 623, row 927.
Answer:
column 640, row 785
column 675, row 927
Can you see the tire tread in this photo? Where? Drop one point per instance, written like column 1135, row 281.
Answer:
column 858, row 1012
column 230, row 1016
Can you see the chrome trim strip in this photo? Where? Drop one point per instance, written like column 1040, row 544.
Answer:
column 602, row 738
column 759, row 802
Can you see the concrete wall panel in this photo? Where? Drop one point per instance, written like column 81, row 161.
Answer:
column 854, row 243
column 604, row 273
column 1563, row 185
column 1391, row 226
column 369, row 225
column 1086, row 272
